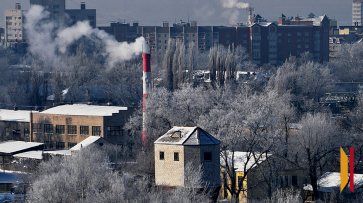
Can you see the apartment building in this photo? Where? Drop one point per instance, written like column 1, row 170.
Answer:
column 14, row 34
column 67, row 125
column 357, row 12
column 266, row 42
column 57, row 9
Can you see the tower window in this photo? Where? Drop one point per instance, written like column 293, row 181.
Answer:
column 176, row 156
column 207, row 156
column 161, row 155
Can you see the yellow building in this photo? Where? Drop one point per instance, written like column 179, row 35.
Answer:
column 256, row 176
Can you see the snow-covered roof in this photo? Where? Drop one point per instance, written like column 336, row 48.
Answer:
column 331, row 180
column 316, row 20
column 84, row 110
column 180, row 135
column 241, row 158
column 30, row 154
column 89, row 140
column 18, row 116
column 64, row 152
column 10, row 176
column 11, row 146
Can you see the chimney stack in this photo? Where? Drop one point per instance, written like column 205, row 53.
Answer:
column 83, row 5
column 17, row 6
column 146, row 90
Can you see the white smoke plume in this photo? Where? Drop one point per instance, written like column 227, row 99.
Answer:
column 46, row 40
column 233, row 7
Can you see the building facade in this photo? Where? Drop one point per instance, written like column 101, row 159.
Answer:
column 67, row 125
column 14, row 125
column 14, row 34
column 266, row 42
column 357, row 12
column 184, row 147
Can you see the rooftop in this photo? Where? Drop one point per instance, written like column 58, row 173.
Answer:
column 12, row 147
column 89, row 140
column 242, row 158
column 18, row 116
column 331, row 180
column 84, row 110
column 180, row 135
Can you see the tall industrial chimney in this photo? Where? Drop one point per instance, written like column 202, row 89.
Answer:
column 146, row 90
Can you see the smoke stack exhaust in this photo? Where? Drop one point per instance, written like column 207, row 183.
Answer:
column 146, row 90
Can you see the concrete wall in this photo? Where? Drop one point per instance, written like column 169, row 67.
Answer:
column 169, row 172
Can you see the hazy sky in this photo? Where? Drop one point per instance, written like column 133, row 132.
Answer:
column 205, row 12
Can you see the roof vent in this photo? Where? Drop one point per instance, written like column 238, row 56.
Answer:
column 176, row 134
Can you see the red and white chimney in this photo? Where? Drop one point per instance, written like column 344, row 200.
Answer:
column 146, row 90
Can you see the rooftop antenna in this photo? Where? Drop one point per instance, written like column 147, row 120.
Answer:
column 188, row 17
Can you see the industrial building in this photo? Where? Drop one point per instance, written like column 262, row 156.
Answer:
column 67, row 125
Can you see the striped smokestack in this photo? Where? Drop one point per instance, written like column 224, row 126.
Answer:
column 146, row 90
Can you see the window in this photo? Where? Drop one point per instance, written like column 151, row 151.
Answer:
column 96, row 130
column 306, row 34
column 60, row 129
column 26, row 132
column 84, row 130
column 272, row 29
column 306, row 46
column 299, row 34
column 228, row 35
column 289, row 34
column 294, row 180
column 166, row 42
column 55, row 6
column 299, row 46
column 288, row 40
column 37, row 128
column 256, row 30
column 60, row 145
column 207, row 156
column 56, row 12
column 161, row 155
column 114, row 130
column 48, row 128
column 71, row 144
column 9, row 23
column 298, row 40
column 239, row 181
column 176, row 156
column 244, row 41
column 91, row 17
column 227, row 41
column 72, row 129
column 286, row 183
column 244, row 35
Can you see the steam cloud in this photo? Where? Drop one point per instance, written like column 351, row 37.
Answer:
column 46, row 39
column 233, row 7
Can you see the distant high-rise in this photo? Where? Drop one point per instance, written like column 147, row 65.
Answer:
column 54, row 7
column 357, row 13
column 14, row 35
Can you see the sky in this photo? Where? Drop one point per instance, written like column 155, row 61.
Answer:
column 205, row 12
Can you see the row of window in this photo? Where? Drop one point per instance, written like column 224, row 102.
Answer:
column 11, row 17
column 71, row 129
column 58, row 145
column 207, row 156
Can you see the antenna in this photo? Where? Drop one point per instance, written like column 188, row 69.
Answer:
column 188, row 17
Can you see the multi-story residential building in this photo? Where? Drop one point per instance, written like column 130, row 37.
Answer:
column 56, row 8
column 14, row 35
column 357, row 12
column 82, row 15
column 266, row 42
column 67, row 125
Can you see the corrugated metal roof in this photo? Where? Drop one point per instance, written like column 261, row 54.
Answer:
column 11, row 146
column 180, row 135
